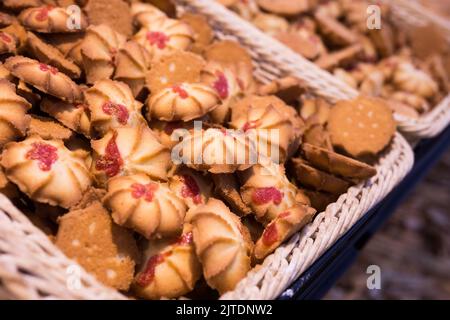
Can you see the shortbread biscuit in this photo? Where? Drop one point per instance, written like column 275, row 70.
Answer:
column 303, row 42
column 144, row 13
column 69, row 44
column 363, row 126
column 48, row 129
column 174, row 69
column 319, row 200
column 8, row 43
column 126, row 151
column 413, row 80
column 132, row 63
column 14, row 120
column 222, row 243
column 285, row 7
column 317, row 179
column 337, row 164
column 184, row 101
column 112, row 105
column 170, row 268
column 271, row 24
column 339, row 58
column 51, row 19
column 166, row 131
column 226, row 186
column 101, row 247
column 203, row 33
column 74, row 116
column 18, row 5
column 52, row 56
column 146, row 206
column 40, row 167
column 335, row 31
column 114, row 13
column 99, row 50
column 44, row 78
column 20, row 34
column 282, row 228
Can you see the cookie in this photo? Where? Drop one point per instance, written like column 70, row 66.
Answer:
column 99, row 50
column 222, row 243
column 315, row 110
column 173, row 69
column 363, row 126
column 282, row 228
column 8, row 43
column 383, row 40
column 270, row 24
column 413, row 80
column 334, row 31
column 303, row 42
column 44, row 77
column 102, row 248
column 7, row 187
column 14, row 120
column 17, row 5
column 317, row 179
column 50, row 55
column 69, row 44
column 74, row 116
column 319, row 200
column 6, row 19
column 132, row 63
column 48, row 129
column 50, row 19
column 20, row 35
column 284, row 7
column 114, row 13
column 226, row 187
column 318, row 136
column 337, row 164
column 203, row 33
column 45, row 166
column 339, row 58
column 144, row 13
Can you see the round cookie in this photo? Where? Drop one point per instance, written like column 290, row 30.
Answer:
column 173, row 69
column 104, row 249
column 203, row 34
column 114, row 13
column 285, row 7
column 361, row 127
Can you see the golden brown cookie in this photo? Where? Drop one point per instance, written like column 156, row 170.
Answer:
column 270, row 23
column 8, row 43
column 44, row 77
column 19, row 33
column 106, row 250
column 335, row 31
column 69, row 44
column 52, row 56
column 144, row 13
column 170, row 268
column 317, row 179
column 282, row 228
column 203, row 33
column 99, row 50
column 173, row 69
column 48, row 129
column 339, row 58
column 7, row 187
column 13, row 118
column 21, row 4
column 335, row 163
column 114, row 13
column 319, row 200
column 40, row 167
column 132, row 63
column 226, row 186
column 6, row 19
column 285, row 7
column 74, row 116
column 51, row 19
column 363, row 126
column 317, row 135
column 305, row 43
column 165, row 131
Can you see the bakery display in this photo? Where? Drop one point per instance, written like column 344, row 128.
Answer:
column 163, row 165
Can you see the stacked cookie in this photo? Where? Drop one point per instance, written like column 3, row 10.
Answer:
column 101, row 146
column 360, row 44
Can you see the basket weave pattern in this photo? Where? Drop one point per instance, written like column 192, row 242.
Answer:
column 31, row 267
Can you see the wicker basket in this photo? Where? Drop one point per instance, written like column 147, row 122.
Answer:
column 406, row 13
column 31, row 267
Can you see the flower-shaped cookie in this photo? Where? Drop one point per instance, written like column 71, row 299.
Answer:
column 112, row 105
column 47, row 171
column 144, row 205
column 222, row 243
column 8, row 43
column 144, row 13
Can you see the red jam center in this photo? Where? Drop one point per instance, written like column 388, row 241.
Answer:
column 111, row 162
column 42, row 14
column 44, row 67
column 146, row 277
column 191, row 189
column 270, row 235
column 185, row 239
column 157, row 38
column 46, row 155
column 250, row 125
column 118, row 110
column 181, row 92
column 170, row 127
column 144, row 190
column 221, row 85
column 284, row 214
column 5, row 38
column 266, row 195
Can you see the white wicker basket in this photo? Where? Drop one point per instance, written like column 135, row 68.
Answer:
column 31, row 267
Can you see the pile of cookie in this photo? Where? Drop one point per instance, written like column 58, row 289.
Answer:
column 98, row 103
column 407, row 68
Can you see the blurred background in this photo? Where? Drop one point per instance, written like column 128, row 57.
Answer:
column 412, row 249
